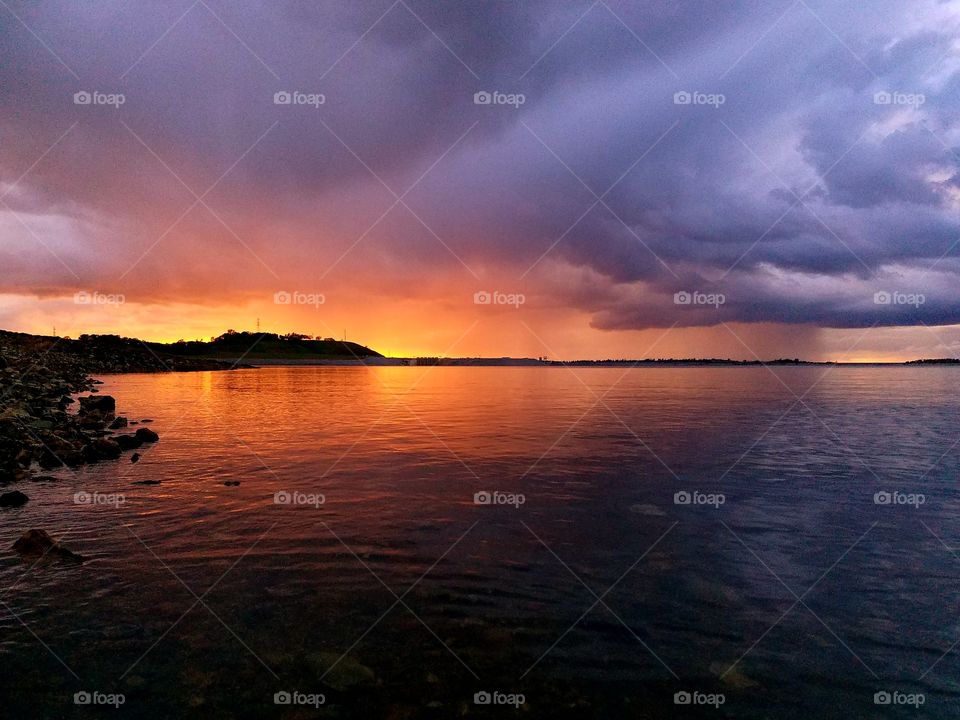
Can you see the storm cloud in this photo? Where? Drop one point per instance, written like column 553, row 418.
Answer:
column 797, row 162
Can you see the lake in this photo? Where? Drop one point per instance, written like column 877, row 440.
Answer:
column 447, row 542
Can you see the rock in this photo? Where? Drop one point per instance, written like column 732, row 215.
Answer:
column 146, row 420
column 37, row 542
column 118, row 422
column 101, row 403
column 107, row 448
column 43, row 478
column 231, row 483
column 13, row 499
column 90, row 454
column 146, row 482
column 73, row 458
column 48, row 461
column 146, row 435
column 135, row 457
column 128, row 442
column 92, row 421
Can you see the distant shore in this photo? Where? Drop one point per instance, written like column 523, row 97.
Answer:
column 533, row 362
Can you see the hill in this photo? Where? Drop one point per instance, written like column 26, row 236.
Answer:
column 251, row 346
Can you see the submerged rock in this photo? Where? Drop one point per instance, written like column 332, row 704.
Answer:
column 231, row 483
column 118, row 422
column 135, row 457
column 146, row 482
column 342, row 673
column 732, row 678
column 37, row 542
column 13, row 499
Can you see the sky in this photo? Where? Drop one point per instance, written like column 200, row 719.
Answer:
column 744, row 179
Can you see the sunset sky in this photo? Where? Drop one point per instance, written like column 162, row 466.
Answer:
column 789, row 167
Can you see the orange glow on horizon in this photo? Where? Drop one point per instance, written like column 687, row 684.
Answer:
column 458, row 328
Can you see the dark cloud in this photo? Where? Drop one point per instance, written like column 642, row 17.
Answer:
column 797, row 194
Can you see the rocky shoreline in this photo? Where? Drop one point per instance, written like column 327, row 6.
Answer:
column 39, row 429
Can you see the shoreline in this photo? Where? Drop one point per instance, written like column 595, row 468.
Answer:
column 42, row 380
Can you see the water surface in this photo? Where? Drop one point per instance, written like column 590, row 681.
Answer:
column 598, row 596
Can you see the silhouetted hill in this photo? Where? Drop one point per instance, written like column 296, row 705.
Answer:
column 252, row 345
column 115, row 354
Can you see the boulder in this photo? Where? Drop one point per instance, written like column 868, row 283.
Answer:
column 128, row 442
column 73, row 458
column 104, row 404
column 135, row 457
column 106, row 448
column 146, row 435
column 13, row 499
column 48, row 460
column 118, row 422
column 92, row 421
